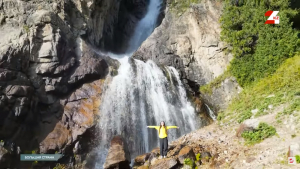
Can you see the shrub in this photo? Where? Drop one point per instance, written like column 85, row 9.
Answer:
column 198, row 157
column 258, row 48
column 189, row 162
column 262, row 132
column 297, row 159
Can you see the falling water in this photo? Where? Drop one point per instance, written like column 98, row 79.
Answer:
column 146, row 26
column 210, row 112
column 142, row 94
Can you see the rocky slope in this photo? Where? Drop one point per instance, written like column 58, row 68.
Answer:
column 50, row 74
column 190, row 42
column 221, row 146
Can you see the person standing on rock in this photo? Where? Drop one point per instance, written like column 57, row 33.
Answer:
column 163, row 137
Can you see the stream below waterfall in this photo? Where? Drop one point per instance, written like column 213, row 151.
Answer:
column 142, row 94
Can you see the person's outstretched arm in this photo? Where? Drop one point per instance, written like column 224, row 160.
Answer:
column 172, row 127
column 155, row 127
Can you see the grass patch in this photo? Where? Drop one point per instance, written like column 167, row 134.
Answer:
column 216, row 83
column 280, row 88
column 181, row 6
column 262, row 132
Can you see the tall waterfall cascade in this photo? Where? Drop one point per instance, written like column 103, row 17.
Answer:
column 142, row 94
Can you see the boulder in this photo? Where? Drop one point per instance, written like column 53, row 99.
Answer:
column 175, row 150
column 247, row 125
column 186, row 152
column 142, row 158
column 154, row 153
column 164, row 163
column 118, row 156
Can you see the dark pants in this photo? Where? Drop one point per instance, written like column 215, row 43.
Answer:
column 163, row 146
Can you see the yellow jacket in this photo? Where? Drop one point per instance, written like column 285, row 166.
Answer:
column 162, row 133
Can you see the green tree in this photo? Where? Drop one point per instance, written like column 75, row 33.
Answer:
column 258, row 48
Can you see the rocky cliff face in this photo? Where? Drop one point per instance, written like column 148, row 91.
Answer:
column 50, row 74
column 190, row 42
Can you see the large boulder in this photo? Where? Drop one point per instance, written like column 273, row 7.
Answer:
column 118, row 156
column 186, row 152
column 247, row 125
column 164, row 164
column 141, row 159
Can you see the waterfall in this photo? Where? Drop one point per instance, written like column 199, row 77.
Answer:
column 142, row 94
column 145, row 26
column 210, row 112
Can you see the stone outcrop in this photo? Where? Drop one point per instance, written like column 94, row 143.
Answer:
column 50, row 73
column 118, row 156
column 190, row 42
column 186, row 152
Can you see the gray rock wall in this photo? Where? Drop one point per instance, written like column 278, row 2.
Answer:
column 50, row 72
column 190, row 42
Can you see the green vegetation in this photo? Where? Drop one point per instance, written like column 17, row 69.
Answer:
column 189, row 162
column 216, row 83
column 198, row 157
column 280, row 88
column 258, row 48
column 262, row 132
column 181, row 6
column 297, row 159
column 26, row 28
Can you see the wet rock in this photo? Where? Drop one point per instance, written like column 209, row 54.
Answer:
column 164, row 163
column 186, row 152
column 118, row 156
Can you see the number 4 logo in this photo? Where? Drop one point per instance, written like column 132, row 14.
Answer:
column 273, row 18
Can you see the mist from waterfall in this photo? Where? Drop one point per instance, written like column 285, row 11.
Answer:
column 142, row 94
